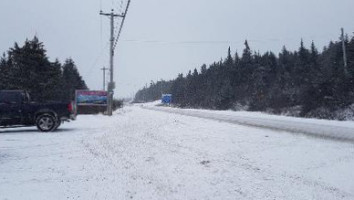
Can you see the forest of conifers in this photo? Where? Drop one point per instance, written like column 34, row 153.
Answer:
column 306, row 82
column 28, row 68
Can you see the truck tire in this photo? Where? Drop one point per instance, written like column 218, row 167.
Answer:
column 46, row 122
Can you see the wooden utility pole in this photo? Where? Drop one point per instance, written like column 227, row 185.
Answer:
column 113, row 42
column 104, row 69
column 344, row 53
column 111, row 84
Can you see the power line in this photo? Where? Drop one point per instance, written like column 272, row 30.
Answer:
column 101, row 25
column 197, row 42
column 121, row 6
column 121, row 25
column 98, row 57
column 182, row 42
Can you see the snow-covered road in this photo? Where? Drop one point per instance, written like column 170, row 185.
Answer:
column 339, row 130
column 145, row 154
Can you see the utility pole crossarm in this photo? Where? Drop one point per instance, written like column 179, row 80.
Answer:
column 111, row 14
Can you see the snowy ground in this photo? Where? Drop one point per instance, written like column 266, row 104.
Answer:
column 146, row 154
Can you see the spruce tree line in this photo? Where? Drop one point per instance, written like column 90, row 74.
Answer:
column 305, row 82
column 28, row 68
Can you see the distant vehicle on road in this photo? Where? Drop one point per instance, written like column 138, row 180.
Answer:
column 17, row 109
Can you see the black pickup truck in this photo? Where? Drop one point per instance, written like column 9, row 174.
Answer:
column 17, row 109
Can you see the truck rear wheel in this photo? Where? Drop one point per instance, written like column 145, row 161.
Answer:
column 46, row 123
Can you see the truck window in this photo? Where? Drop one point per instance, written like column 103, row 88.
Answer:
column 9, row 98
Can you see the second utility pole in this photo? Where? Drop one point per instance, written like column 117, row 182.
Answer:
column 111, row 84
column 104, row 78
column 344, row 53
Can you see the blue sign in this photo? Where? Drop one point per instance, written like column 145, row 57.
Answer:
column 166, row 98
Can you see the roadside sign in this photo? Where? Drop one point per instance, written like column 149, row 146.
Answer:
column 166, row 98
column 91, row 98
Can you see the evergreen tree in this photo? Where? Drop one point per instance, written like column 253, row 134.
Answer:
column 72, row 80
column 28, row 68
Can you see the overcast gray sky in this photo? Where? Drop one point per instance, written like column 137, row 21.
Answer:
column 162, row 38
